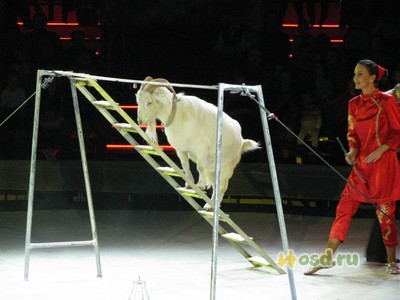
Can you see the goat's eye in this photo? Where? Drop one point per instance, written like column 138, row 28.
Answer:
column 149, row 103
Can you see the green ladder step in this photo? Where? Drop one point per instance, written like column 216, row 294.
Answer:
column 235, row 237
column 103, row 104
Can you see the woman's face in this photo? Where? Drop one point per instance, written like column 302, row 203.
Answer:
column 362, row 79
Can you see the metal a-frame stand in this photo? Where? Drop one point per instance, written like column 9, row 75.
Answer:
column 28, row 244
column 245, row 90
column 89, row 87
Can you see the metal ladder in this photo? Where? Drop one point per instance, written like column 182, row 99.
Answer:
column 170, row 171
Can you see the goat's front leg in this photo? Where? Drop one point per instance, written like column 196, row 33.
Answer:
column 184, row 158
column 202, row 183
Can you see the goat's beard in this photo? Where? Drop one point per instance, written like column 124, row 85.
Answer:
column 151, row 131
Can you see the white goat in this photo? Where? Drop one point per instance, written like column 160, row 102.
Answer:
column 191, row 128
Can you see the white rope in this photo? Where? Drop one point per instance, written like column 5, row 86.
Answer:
column 45, row 85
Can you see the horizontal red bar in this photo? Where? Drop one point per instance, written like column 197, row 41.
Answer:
column 129, row 106
column 130, row 147
column 291, row 25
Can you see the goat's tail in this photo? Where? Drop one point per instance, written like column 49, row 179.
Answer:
column 250, row 145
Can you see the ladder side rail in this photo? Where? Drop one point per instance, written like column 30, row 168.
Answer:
column 168, row 178
column 275, row 185
column 32, row 176
column 86, row 176
column 154, row 163
column 146, row 156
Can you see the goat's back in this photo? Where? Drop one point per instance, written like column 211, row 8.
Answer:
column 195, row 127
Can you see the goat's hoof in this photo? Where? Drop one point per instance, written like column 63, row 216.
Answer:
column 208, row 208
column 201, row 187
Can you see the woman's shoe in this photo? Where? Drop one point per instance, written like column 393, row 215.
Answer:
column 318, row 267
column 393, row 268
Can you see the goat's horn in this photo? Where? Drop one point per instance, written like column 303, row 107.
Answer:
column 151, row 87
column 170, row 87
column 143, row 85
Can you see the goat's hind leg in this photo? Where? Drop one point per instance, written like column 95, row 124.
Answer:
column 226, row 174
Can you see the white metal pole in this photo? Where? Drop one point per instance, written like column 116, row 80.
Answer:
column 275, row 185
column 86, row 175
column 217, row 199
column 32, row 175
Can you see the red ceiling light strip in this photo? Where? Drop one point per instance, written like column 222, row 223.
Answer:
column 59, row 24
column 86, row 38
column 332, row 41
column 286, row 25
column 55, row 24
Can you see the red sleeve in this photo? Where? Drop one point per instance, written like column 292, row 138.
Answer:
column 352, row 138
column 393, row 114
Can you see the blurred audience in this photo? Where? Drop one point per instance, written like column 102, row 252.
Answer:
column 13, row 131
column 244, row 44
column 79, row 57
column 310, row 119
column 44, row 46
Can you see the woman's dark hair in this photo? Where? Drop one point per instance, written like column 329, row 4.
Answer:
column 374, row 69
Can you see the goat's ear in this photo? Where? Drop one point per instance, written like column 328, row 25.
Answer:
column 148, row 78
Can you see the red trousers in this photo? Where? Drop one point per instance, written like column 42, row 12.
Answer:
column 346, row 209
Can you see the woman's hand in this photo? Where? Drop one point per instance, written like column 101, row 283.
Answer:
column 376, row 155
column 351, row 156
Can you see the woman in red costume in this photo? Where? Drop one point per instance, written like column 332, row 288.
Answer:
column 373, row 137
